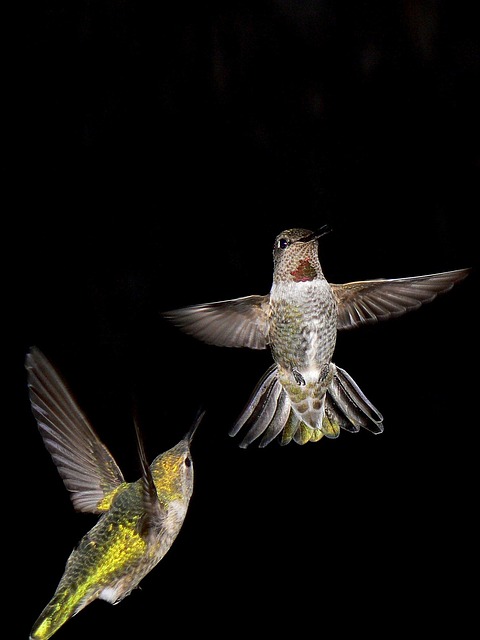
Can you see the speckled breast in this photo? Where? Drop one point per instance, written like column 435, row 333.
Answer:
column 303, row 325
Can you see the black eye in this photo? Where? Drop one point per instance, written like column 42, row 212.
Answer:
column 188, row 462
column 283, row 243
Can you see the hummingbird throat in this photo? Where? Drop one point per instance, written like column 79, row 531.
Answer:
column 304, row 272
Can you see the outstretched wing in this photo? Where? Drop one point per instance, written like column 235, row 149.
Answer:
column 372, row 300
column 242, row 322
column 85, row 465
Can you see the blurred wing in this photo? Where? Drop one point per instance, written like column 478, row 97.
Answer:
column 372, row 300
column 154, row 516
column 85, row 465
column 242, row 322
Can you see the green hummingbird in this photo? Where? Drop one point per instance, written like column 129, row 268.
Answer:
column 138, row 522
column 304, row 395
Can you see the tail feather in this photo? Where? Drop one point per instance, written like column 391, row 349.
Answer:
column 335, row 420
column 265, row 413
column 275, row 427
column 345, row 399
column 305, row 434
column 64, row 605
column 291, row 427
column 265, row 382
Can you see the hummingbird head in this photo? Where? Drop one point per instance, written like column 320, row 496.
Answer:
column 295, row 255
column 173, row 470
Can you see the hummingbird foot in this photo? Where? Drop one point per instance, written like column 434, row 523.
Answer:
column 299, row 379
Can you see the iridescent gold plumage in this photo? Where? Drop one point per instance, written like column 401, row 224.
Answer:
column 139, row 521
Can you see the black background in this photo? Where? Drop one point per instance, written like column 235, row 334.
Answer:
column 159, row 149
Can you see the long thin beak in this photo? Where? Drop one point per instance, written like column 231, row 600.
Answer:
column 193, row 428
column 322, row 231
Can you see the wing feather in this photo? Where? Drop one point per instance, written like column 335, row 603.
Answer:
column 368, row 301
column 85, row 465
column 241, row 322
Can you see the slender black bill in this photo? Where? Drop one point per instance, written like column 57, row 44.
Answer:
column 193, row 428
column 315, row 235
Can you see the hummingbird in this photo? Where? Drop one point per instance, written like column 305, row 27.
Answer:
column 304, row 395
column 138, row 521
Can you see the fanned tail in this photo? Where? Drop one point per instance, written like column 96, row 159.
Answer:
column 269, row 412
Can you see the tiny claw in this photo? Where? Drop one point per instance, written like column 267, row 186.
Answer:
column 299, row 379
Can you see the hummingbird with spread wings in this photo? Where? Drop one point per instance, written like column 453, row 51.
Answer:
column 138, row 522
column 304, row 396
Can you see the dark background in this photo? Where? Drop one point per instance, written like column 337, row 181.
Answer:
column 159, row 149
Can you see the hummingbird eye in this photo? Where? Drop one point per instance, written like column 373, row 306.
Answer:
column 283, row 243
column 188, row 462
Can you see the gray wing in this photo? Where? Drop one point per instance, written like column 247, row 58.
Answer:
column 154, row 514
column 85, row 465
column 372, row 300
column 242, row 322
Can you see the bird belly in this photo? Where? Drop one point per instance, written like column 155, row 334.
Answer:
column 304, row 358
column 303, row 329
column 307, row 400
column 303, row 333
column 153, row 549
